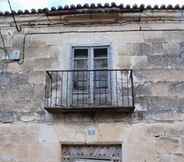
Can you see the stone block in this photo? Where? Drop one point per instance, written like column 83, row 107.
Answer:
column 176, row 61
column 156, row 103
column 7, row 158
column 137, row 115
column 13, row 67
column 138, row 49
column 172, row 48
column 141, row 103
column 141, row 107
column 174, row 35
column 161, row 89
column 143, row 89
column 157, row 47
column 165, row 158
column 132, row 61
column 174, row 130
column 39, row 64
column 11, row 80
column 171, row 158
column 29, row 117
column 178, row 157
column 164, row 116
column 158, row 75
column 37, row 77
column 168, row 145
column 18, row 94
column 41, row 52
column 7, row 117
column 177, row 88
column 158, row 61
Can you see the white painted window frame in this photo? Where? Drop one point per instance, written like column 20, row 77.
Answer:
column 90, row 48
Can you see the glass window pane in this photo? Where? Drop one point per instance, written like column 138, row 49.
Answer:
column 80, row 81
column 100, row 52
column 101, row 75
column 101, row 79
column 79, row 85
column 100, row 58
column 101, row 84
column 81, row 64
column 80, row 75
column 101, row 63
column 81, row 53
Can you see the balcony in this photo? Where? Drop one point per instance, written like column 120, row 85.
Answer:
column 89, row 90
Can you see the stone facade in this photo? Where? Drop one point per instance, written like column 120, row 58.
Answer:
column 152, row 47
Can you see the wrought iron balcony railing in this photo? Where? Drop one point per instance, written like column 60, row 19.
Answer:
column 68, row 90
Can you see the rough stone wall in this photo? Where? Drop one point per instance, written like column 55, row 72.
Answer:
column 153, row 133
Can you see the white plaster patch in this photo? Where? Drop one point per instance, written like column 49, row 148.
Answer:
column 28, row 118
column 138, row 107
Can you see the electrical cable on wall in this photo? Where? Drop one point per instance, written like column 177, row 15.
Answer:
column 3, row 43
column 12, row 13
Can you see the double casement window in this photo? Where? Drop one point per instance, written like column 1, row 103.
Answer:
column 91, row 79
